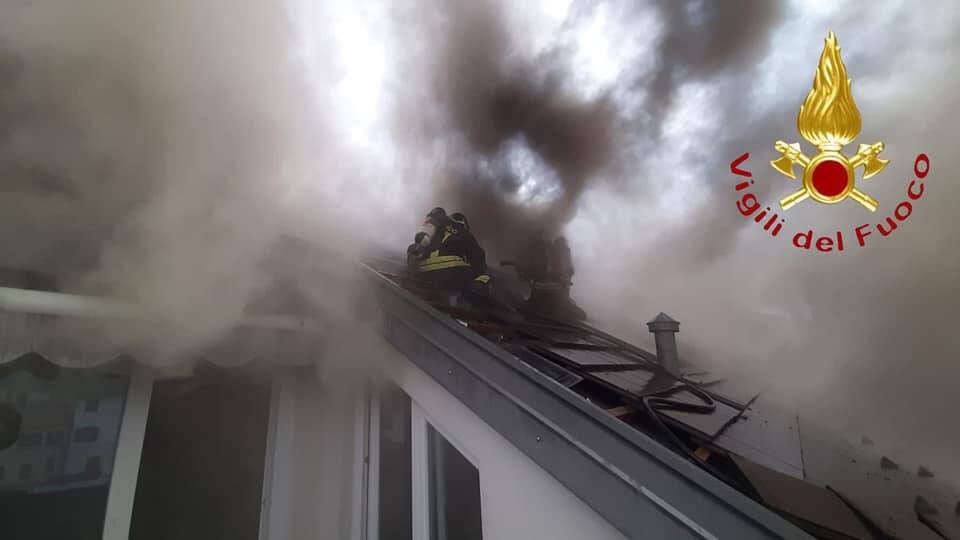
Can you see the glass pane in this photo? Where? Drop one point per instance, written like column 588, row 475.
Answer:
column 48, row 487
column 395, row 465
column 454, row 493
column 201, row 471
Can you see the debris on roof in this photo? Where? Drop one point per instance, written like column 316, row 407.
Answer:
column 802, row 501
column 935, row 525
column 888, row 464
column 767, row 436
column 622, row 411
column 922, row 506
column 825, row 484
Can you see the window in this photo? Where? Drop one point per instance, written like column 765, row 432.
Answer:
column 86, row 434
column 54, row 438
column 454, row 487
column 92, row 469
column 421, row 486
column 202, row 466
column 32, row 438
column 91, row 405
column 50, row 496
column 394, row 506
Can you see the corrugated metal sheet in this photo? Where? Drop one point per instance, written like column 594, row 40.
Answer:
column 639, row 382
column 550, row 369
column 708, row 425
column 583, row 340
column 739, row 391
column 804, row 501
column 768, row 436
column 592, row 358
column 886, row 496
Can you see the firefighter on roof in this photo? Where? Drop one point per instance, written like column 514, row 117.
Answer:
column 475, row 255
column 533, row 263
column 548, row 268
column 561, row 263
column 445, row 256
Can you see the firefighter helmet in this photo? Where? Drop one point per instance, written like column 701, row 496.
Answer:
column 461, row 219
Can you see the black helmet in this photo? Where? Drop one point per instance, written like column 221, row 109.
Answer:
column 436, row 213
column 461, row 219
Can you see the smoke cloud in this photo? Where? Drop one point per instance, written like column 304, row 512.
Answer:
column 164, row 153
column 169, row 152
column 648, row 199
column 860, row 340
column 522, row 141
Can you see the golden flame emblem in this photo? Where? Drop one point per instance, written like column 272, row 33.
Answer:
column 829, row 120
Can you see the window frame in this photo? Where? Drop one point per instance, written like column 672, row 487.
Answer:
column 420, row 424
column 87, row 434
column 126, row 460
column 371, row 442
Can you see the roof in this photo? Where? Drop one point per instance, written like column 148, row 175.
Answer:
column 814, row 479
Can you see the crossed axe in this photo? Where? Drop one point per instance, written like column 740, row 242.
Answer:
column 792, row 155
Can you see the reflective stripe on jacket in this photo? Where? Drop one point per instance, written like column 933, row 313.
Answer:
column 449, row 254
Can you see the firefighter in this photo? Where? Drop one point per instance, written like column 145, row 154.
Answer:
column 438, row 255
column 533, row 264
column 561, row 270
column 480, row 285
column 548, row 267
column 561, row 262
column 436, row 220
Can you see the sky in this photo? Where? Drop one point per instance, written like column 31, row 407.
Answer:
column 164, row 152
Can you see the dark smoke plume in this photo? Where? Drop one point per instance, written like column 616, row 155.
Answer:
column 149, row 152
column 492, row 99
column 489, row 97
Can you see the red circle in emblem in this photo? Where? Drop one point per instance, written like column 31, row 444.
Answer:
column 830, row 178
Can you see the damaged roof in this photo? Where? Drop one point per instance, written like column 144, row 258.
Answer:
column 820, row 482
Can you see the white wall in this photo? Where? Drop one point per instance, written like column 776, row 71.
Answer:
column 518, row 498
column 308, row 482
column 313, row 489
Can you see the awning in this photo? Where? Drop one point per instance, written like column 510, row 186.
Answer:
column 83, row 331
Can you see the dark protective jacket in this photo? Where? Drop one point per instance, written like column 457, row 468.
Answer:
column 474, row 254
column 480, row 286
column 453, row 261
column 561, row 264
column 533, row 264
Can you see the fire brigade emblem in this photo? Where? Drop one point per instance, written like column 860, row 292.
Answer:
column 829, row 120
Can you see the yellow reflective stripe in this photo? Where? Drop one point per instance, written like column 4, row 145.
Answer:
column 482, row 278
column 440, row 262
column 443, row 265
column 447, row 233
column 547, row 286
column 440, row 258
